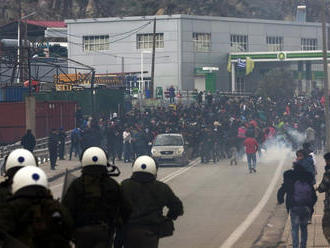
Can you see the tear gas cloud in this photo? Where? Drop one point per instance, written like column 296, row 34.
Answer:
column 282, row 146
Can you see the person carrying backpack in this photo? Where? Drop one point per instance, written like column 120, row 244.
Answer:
column 300, row 199
column 31, row 217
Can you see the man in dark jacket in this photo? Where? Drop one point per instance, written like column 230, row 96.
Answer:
column 95, row 202
column 140, row 141
column 324, row 187
column 61, row 143
column 28, row 141
column 300, row 199
column 148, row 197
column 52, row 148
column 92, row 136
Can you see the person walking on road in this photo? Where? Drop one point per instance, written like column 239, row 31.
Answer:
column 324, row 187
column 52, row 148
column 75, row 143
column 172, row 94
column 28, row 141
column 61, row 143
column 251, row 148
column 300, row 199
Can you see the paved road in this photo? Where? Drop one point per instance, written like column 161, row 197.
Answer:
column 217, row 199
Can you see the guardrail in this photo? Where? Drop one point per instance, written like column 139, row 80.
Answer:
column 40, row 150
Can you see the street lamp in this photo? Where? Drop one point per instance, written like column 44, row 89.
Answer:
column 326, row 78
column 19, row 41
column 142, row 79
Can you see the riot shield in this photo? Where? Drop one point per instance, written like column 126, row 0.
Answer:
column 68, row 179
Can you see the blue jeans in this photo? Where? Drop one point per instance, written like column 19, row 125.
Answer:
column 127, row 151
column 252, row 160
column 76, row 149
column 299, row 219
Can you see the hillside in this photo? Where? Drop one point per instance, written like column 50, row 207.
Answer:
column 64, row 9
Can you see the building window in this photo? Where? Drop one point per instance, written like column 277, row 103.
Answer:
column 144, row 41
column 96, row 43
column 239, row 43
column 202, row 42
column 240, row 84
column 308, row 44
column 274, row 43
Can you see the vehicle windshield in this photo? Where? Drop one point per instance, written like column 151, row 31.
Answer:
column 167, row 140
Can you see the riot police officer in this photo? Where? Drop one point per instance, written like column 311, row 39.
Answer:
column 31, row 217
column 95, row 202
column 148, row 197
column 16, row 159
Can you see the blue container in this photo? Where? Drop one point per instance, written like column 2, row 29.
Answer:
column 148, row 94
column 2, row 95
column 15, row 94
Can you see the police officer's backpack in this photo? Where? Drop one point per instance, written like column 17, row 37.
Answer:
column 46, row 218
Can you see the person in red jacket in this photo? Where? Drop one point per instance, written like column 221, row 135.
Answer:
column 251, row 148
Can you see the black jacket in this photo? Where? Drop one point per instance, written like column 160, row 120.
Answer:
column 20, row 219
column 95, row 198
column 148, row 197
column 28, row 141
column 325, row 187
column 287, row 188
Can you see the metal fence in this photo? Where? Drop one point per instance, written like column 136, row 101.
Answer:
column 40, row 150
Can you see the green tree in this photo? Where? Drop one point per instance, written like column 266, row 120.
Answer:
column 277, row 82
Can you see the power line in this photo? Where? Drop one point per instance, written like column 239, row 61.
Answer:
column 115, row 35
column 77, row 36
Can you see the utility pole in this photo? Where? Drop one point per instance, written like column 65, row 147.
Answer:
column 29, row 70
column 123, row 71
column 92, row 94
column 326, row 77
column 153, row 59
column 19, row 39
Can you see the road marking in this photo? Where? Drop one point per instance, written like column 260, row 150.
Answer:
column 164, row 179
column 179, row 172
column 239, row 231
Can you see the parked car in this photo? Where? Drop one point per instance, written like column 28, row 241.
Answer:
column 169, row 149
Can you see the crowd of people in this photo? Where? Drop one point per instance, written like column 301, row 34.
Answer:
column 214, row 129
column 95, row 207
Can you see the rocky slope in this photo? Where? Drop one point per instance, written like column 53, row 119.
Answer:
column 62, row 9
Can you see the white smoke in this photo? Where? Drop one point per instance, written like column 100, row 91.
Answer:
column 283, row 146
column 275, row 149
column 297, row 137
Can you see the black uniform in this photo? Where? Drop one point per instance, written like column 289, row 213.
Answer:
column 35, row 219
column 61, row 143
column 148, row 197
column 28, row 141
column 96, row 205
column 52, row 148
